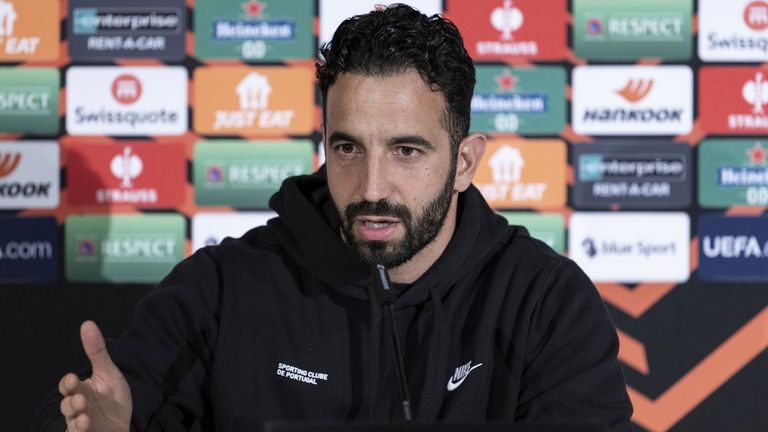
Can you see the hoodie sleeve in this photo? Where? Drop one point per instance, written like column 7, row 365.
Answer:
column 166, row 353
column 571, row 372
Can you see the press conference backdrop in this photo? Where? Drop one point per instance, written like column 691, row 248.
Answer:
column 630, row 136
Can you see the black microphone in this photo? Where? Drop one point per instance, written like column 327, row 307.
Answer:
column 386, row 297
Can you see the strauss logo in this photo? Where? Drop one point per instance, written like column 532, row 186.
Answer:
column 755, row 92
column 507, row 19
column 126, row 167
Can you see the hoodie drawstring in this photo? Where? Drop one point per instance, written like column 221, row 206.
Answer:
column 373, row 373
column 434, row 356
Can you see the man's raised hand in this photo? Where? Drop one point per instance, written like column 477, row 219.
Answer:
column 101, row 402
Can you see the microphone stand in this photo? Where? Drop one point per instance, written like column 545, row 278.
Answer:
column 386, row 297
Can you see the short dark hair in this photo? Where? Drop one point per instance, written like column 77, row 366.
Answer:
column 397, row 39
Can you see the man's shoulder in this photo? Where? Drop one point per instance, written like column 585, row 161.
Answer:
column 523, row 246
column 257, row 241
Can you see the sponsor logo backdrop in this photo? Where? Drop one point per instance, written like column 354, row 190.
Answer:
column 135, row 132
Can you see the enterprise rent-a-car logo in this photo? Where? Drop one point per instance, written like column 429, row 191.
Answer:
column 104, row 29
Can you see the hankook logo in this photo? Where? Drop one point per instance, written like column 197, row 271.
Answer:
column 8, row 163
column 632, row 100
column 29, row 175
column 636, row 90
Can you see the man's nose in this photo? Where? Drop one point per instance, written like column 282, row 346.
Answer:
column 376, row 179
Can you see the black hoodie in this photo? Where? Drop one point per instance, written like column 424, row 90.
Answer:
column 283, row 324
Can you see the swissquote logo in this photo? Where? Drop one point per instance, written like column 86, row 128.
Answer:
column 756, row 15
column 736, row 30
column 632, row 100
column 523, row 173
column 461, row 373
column 29, row 30
column 29, row 175
column 126, row 89
column 130, row 101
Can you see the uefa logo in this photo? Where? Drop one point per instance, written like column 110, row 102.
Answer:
column 86, row 248
column 595, row 26
column 214, row 174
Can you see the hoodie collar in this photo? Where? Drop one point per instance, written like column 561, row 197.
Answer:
column 308, row 229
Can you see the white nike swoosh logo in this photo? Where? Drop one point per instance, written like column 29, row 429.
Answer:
column 454, row 385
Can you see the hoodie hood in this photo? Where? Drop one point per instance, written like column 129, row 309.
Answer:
column 308, row 229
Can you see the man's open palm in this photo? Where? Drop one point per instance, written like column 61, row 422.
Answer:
column 101, row 402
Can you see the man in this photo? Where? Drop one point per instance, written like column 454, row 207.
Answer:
column 283, row 323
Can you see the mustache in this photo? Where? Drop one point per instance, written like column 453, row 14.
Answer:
column 379, row 208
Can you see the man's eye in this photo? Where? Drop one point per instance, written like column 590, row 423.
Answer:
column 407, row 151
column 347, row 148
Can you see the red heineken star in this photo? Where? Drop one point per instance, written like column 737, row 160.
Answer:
column 253, row 8
column 757, row 154
column 506, row 81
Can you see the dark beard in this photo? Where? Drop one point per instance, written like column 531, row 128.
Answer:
column 419, row 231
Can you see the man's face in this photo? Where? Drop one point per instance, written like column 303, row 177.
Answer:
column 390, row 168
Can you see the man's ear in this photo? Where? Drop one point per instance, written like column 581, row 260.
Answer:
column 471, row 150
